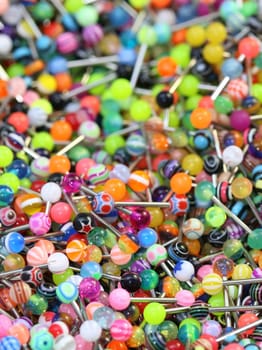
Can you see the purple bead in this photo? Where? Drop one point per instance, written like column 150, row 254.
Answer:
column 170, row 168
column 233, row 230
column 92, row 35
column 257, row 273
column 159, row 193
column 203, row 9
column 140, row 265
column 89, row 288
column 71, row 183
column 140, row 218
column 67, row 43
column 240, row 120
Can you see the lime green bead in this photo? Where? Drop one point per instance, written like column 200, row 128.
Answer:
column 10, row 180
column 179, row 138
column 157, row 88
column 154, row 313
column 96, row 77
column 217, row 301
column 43, row 140
column 78, row 152
column 25, row 183
column 256, row 91
column 15, row 70
column 6, row 156
column 215, row 217
column 59, row 278
column 174, row 119
column 140, row 110
column 147, row 35
column 113, row 143
column 73, row 6
column 192, row 102
column 121, row 89
column 181, row 54
column 139, row 4
column 23, row 156
column 189, row 86
column 86, row 16
column 43, row 104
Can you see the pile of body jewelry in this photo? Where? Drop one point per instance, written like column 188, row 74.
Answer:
column 130, row 175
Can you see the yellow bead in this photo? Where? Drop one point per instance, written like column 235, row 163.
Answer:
column 157, row 216
column 192, row 163
column 216, row 33
column 213, row 53
column 242, row 271
column 46, row 84
column 196, row 36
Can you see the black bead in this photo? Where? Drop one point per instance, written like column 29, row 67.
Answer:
column 130, row 281
column 83, row 223
column 57, row 101
column 124, row 71
column 164, row 99
column 56, row 178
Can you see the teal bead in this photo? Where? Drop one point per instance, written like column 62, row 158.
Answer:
column 188, row 333
column 42, row 340
column 204, row 192
column 233, row 249
column 149, row 279
column 67, row 292
column 112, row 123
column 36, row 304
column 109, row 106
column 254, row 239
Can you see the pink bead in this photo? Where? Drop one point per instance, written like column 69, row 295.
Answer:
column 82, row 344
column 40, row 223
column 240, row 120
column 119, row 299
column 16, row 86
column 203, row 176
column 203, row 271
column 36, row 256
column 237, row 89
column 82, row 167
column 118, row 257
column 5, row 324
column 4, row 5
column 45, row 245
column 185, row 298
column 92, row 307
column 121, row 330
column 61, row 212
column 30, row 96
column 68, row 309
column 67, row 43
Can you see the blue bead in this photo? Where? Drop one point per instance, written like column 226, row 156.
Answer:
column 6, row 195
column 45, row 46
column 163, row 33
column 227, row 8
column 202, row 140
column 10, row 343
column 22, row 53
column 91, row 269
column 127, row 56
column 235, row 22
column 69, row 23
column 128, row 39
column 56, row 65
column 232, row 68
column 14, row 242
column 118, row 17
column 19, row 168
column 186, row 13
column 147, row 237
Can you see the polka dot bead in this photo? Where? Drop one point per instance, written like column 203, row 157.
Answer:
column 103, row 203
column 156, row 254
column 237, row 89
column 40, row 223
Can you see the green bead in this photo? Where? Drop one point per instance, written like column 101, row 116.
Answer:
column 37, row 304
column 186, row 121
column 258, row 61
column 192, row 102
column 147, row 35
column 43, row 104
column 154, row 313
column 174, row 119
column 256, row 91
column 157, row 88
column 86, row 15
column 10, row 180
column 23, row 156
column 139, row 4
column 73, row 5
column 189, row 86
column 181, row 54
column 140, row 111
column 215, row 216
column 254, row 239
column 113, row 143
column 15, row 70
column 41, row 340
column 191, row 321
column 149, row 279
column 204, row 191
column 233, row 249
column 112, row 123
column 6, row 156
column 223, row 105
column 110, row 239
column 217, row 301
column 249, row 8
column 109, row 106
column 121, row 89
column 43, row 140
column 78, row 152
column 42, row 11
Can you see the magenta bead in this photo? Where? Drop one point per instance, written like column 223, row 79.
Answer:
column 203, row 271
column 40, row 223
column 92, row 34
column 67, row 43
column 240, row 120
column 119, row 299
column 89, row 288
column 71, row 183
column 140, row 218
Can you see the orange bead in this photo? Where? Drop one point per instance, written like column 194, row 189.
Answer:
column 201, row 118
column 116, row 345
column 63, row 81
column 91, row 102
column 158, row 143
column 61, row 130
column 3, row 89
column 179, row 36
column 193, row 246
column 160, row 3
column 19, row 121
column 180, row 183
column 34, row 67
column 20, row 332
column 59, row 164
column 52, row 29
column 76, row 250
column 139, row 181
column 166, row 66
column 116, row 188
